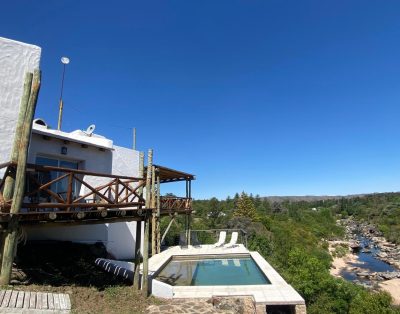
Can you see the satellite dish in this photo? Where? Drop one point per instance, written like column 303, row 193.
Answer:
column 90, row 129
column 64, row 60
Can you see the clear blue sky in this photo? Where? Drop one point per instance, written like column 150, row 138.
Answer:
column 271, row 97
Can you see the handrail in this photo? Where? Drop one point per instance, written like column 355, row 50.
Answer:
column 119, row 191
column 175, row 203
column 175, row 198
column 5, row 164
column 84, row 172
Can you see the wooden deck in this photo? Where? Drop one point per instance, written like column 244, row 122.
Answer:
column 14, row 301
column 116, row 199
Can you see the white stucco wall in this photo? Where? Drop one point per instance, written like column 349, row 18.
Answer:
column 119, row 238
column 16, row 59
column 91, row 159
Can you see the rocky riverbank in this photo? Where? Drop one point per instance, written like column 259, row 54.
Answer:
column 356, row 258
column 385, row 251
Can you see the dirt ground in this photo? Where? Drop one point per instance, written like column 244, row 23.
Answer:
column 69, row 268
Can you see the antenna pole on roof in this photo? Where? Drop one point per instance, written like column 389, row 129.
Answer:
column 64, row 61
column 134, row 138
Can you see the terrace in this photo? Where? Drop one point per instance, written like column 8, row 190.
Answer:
column 73, row 196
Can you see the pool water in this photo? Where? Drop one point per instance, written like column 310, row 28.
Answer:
column 213, row 272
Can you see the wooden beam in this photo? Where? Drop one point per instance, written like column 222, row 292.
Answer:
column 10, row 179
column 136, row 275
column 158, row 205
column 166, row 230
column 153, row 215
column 9, row 175
column 19, row 189
column 145, row 286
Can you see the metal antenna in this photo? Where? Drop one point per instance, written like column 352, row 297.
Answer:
column 134, row 138
column 64, row 61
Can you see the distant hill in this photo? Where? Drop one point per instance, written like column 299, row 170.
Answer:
column 311, row 198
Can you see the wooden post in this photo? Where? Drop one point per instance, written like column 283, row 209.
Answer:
column 136, row 275
column 153, row 212
column 19, row 188
column 187, row 216
column 190, row 213
column 9, row 179
column 145, row 286
column 141, row 170
column 158, row 205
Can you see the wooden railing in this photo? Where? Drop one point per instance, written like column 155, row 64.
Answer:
column 168, row 203
column 41, row 194
column 62, row 194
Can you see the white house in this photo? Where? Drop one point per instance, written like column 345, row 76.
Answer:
column 78, row 150
column 75, row 150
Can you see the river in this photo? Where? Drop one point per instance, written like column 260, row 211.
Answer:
column 367, row 262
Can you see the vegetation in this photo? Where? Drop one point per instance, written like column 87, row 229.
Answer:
column 293, row 235
column 382, row 210
column 245, row 207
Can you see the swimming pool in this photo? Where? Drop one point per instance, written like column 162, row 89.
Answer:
column 212, row 272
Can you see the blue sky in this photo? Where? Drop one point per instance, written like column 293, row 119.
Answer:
column 271, row 97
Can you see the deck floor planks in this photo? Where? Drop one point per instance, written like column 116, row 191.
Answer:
column 50, row 300
column 62, row 302
column 6, row 299
column 39, row 300
column 27, row 296
column 56, row 298
column 2, row 293
column 67, row 302
column 32, row 300
column 20, row 299
column 44, row 301
column 15, row 301
column 13, row 298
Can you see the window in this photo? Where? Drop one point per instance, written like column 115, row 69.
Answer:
column 60, row 187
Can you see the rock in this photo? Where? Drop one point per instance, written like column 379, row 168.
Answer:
column 363, row 274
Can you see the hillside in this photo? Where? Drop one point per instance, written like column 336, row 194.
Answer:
column 308, row 198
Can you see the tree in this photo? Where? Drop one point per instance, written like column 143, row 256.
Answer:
column 245, row 207
column 215, row 212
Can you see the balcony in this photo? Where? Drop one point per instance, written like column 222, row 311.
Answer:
column 63, row 195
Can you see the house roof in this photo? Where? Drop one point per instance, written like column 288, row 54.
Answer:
column 171, row 175
column 77, row 136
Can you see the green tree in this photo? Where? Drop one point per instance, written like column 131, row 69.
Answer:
column 214, row 212
column 245, row 207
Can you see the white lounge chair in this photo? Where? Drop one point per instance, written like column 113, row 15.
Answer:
column 221, row 240
column 233, row 241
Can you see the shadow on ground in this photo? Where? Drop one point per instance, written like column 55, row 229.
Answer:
column 58, row 263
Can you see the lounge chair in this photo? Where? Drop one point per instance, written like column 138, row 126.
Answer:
column 221, row 240
column 233, row 241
